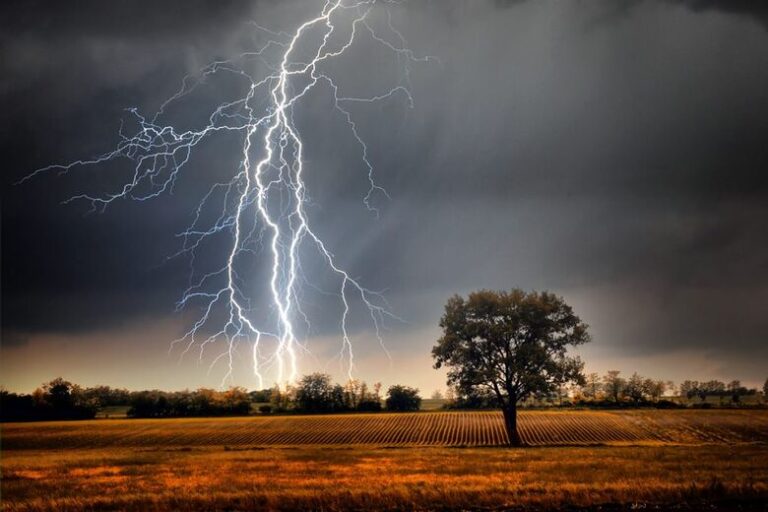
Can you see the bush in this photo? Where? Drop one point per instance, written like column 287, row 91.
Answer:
column 403, row 398
column 265, row 409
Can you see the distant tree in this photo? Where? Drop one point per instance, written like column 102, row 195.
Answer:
column 148, row 404
column 634, row 388
column 561, row 393
column 512, row 344
column 654, row 389
column 712, row 387
column 106, row 396
column 577, row 394
column 15, row 407
column 475, row 398
column 765, row 390
column 357, row 397
column 282, row 399
column 436, row 395
column 202, row 402
column 236, row 401
column 261, row 395
column 613, row 385
column 689, row 388
column 591, row 388
column 59, row 393
column 736, row 391
column 316, row 393
column 66, row 400
column 368, row 401
column 403, row 398
column 354, row 392
column 38, row 397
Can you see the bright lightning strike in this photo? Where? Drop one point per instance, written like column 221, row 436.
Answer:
column 264, row 204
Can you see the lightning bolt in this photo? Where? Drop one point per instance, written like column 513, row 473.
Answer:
column 263, row 207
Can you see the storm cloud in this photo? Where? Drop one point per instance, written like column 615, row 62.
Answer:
column 613, row 152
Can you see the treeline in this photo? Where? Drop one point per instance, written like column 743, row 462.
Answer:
column 637, row 390
column 315, row 393
column 62, row 400
column 178, row 404
column 733, row 391
column 614, row 390
column 55, row 400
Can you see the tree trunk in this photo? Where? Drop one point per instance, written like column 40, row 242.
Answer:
column 510, row 423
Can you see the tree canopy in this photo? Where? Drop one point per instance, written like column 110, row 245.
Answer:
column 513, row 344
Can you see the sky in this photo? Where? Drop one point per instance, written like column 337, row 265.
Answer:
column 611, row 152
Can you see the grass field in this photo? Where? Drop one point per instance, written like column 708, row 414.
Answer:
column 421, row 461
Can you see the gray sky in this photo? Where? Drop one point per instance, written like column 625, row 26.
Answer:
column 612, row 152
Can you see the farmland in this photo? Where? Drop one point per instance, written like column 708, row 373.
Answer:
column 426, row 461
column 537, row 428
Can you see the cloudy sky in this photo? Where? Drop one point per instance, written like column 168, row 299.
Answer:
column 612, row 152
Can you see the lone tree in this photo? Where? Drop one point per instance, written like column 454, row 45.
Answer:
column 512, row 344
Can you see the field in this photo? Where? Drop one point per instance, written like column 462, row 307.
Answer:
column 425, row 461
column 537, row 428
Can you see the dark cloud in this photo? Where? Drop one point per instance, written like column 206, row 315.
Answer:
column 753, row 8
column 610, row 151
column 126, row 19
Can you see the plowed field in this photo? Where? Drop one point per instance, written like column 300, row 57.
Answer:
column 537, row 428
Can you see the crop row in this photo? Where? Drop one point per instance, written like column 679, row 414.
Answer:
column 409, row 429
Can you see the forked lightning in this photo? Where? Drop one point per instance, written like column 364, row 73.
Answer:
column 263, row 207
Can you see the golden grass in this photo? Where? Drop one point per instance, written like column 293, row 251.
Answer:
column 416, row 461
column 358, row 478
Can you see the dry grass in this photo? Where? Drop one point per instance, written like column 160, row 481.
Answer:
column 355, row 478
column 177, row 465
